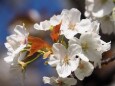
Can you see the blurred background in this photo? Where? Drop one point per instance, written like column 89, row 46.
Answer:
column 17, row 12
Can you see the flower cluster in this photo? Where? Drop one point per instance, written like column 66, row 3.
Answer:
column 103, row 11
column 77, row 47
column 16, row 43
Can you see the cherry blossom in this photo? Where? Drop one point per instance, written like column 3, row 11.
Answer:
column 47, row 24
column 70, row 22
column 16, row 43
column 101, row 10
column 92, row 47
column 86, row 25
column 64, row 59
column 76, row 48
column 98, row 8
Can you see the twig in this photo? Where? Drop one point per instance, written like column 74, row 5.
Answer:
column 73, row 74
column 106, row 61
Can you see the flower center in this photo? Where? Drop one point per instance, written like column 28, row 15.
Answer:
column 84, row 46
column 60, row 83
column 71, row 26
column 81, row 66
column 66, row 60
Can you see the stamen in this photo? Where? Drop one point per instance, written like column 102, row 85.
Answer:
column 71, row 26
column 60, row 83
column 66, row 60
column 84, row 46
column 81, row 66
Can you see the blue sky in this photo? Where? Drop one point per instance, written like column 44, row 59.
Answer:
column 9, row 9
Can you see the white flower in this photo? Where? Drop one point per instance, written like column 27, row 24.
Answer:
column 98, row 8
column 47, row 24
column 59, row 81
column 92, row 47
column 101, row 10
column 64, row 59
column 70, row 22
column 86, row 25
column 56, row 19
column 16, row 43
column 84, row 69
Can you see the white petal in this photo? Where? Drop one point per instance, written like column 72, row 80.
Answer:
column 95, row 27
column 84, row 71
column 53, row 61
column 9, row 59
column 92, row 39
column 63, row 70
column 74, row 64
column 12, row 38
column 13, row 41
column 89, row 36
column 13, row 57
column 105, row 46
column 64, row 11
column 74, row 40
column 37, row 26
column 55, row 20
column 69, row 34
column 59, row 50
column 9, row 47
column 83, row 57
column 66, row 31
column 74, row 50
column 84, row 26
column 46, row 80
column 74, row 15
column 87, row 14
column 93, row 55
column 45, row 25
column 70, row 17
column 15, row 44
column 19, row 49
column 21, row 30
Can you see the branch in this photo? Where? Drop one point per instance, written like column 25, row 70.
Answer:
column 108, row 60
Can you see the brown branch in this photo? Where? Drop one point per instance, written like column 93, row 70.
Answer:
column 108, row 60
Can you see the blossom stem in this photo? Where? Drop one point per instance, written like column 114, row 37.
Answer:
column 33, row 59
column 73, row 74
column 62, row 39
